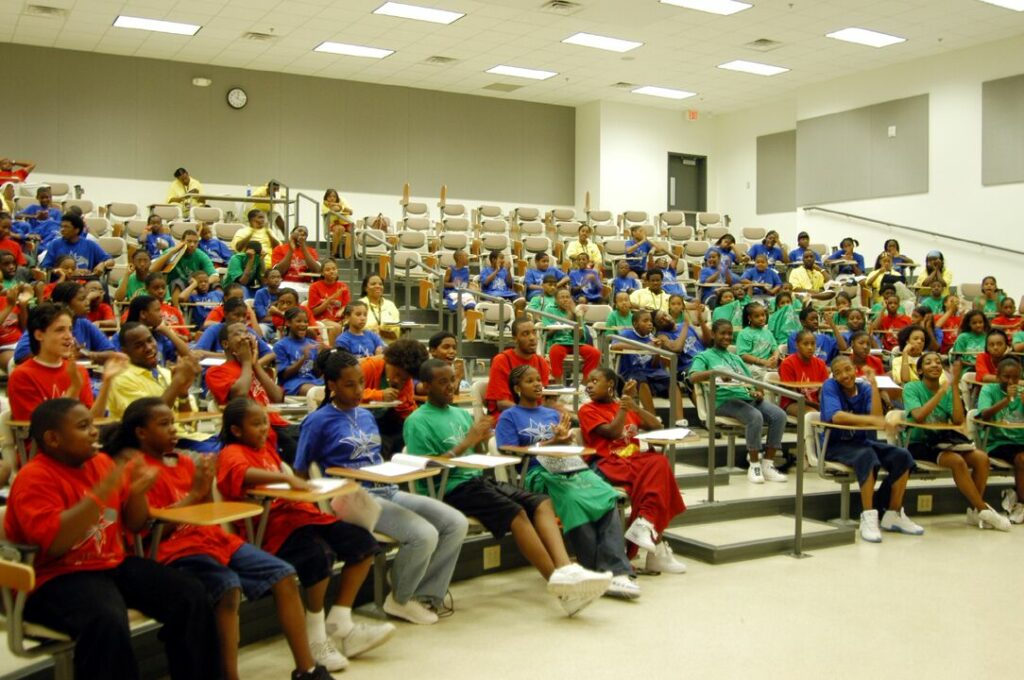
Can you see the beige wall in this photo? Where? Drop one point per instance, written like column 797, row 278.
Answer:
column 109, row 116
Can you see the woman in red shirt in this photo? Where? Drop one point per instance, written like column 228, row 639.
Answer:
column 328, row 298
column 860, row 354
column 804, row 367
column 295, row 258
column 223, row 562
column 611, row 426
column 301, row 535
column 997, row 344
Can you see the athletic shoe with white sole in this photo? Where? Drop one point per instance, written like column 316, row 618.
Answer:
column 572, row 580
column 366, row 636
column 641, row 533
column 1013, row 507
column 574, row 604
column 899, row 522
column 869, row 527
column 1009, row 499
column 769, row 472
column 991, row 519
column 623, row 587
column 754, row 473
column 662, row 560
column 327, row 655
column 412, row 611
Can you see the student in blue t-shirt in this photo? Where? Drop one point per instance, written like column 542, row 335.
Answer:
column 90, row 258
column 769, row 247
column 828, row 345
column 456, row 277
column 41, row 218
column 796, row 256
column 296, row 355
column 147, row 310
column 201, row 297
column 845, row 253
column 265, row 298
column 497, row 278
column 761, row 279
column 156, row 241
column 669, row 280
column 218, row 251
column 647, row 369
column 625, row 279
column 848, row 401
column 638, row 250
column 585, row 281
column 429, row 533
column 235, row 311
column 682, row 337
column 356, row 339
column 713, row 271
column 534, row 278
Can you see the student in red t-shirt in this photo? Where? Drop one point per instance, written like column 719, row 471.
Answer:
column 51, row 372
column 100, row 313
column 890, row 321
column 524, row 334
column 74, row 503
column 997, row 344
column 242, row 376
column 328, row 298
column 9, row 244
column 13, row 317
column 15, row 171
column 223, row 562
column 286, row 299
column 294, row 258
column 303, row 536
column 610, row 426
column 804, row 367
column 1008, row 320
column 860, row 354
column 216, row 315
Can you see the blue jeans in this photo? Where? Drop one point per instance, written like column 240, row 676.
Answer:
column 250, row 570
column 429, row 535
column 754, row 415
column 600, row 546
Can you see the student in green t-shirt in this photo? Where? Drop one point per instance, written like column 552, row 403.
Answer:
column 785, row 320
column 437, row 428
column 622, row 314
column 1000, row 402
column 184, row 263
column 742, row 403
column 1018, row 341
column 935, row 300
column 546, row 301
column 755, row 343
column 728, row 307
column 971, row 340
column 929, row 401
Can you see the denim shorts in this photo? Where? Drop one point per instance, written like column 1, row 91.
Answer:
column 249, row 569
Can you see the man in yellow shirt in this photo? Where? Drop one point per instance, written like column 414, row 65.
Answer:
column 584, row 245
column 810, row 277
column 181, row 190
column 269, row 191
column 256, row 231
column 652, row 297
column 145, row 377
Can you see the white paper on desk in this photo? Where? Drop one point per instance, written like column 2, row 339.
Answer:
column 673, row 433
column 212, row 361
column 320, row 485
column 555, row 450
column 487, row 461
column 407, row 460
column 559, row 390
column 884, row 382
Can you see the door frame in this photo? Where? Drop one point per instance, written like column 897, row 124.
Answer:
column 702, row 179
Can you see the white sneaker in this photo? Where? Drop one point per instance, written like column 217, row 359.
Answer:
column 328, row 656
column 869, row 527
column 623, row 587
column 754, row 474
column 972, row 518
column 1009, row 499
column 365, row 636
column 574, row 604
column 412, row 611
column 769, row 472
column 991, row 519
column 663, row 560
column 573, row 580
column 899, row 522
column 642, row 534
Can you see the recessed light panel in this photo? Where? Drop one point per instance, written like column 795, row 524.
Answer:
column 1015, row 5
column 352, row 50
column 602, row 42
column 863, row 36
column 665, row 92
column 519, row 72
column 754, row 67
column 724, row 7
column 403, row 11
column 156, row 25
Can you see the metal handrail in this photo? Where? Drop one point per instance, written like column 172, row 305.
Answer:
column 460, row 312
column 798, row 502
column 419, row 264
column 577, row 340
column 673, row 384
column 933, row 234
column 318, row 222
column 362, row 235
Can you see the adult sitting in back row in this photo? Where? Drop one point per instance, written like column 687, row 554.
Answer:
column 90, row 258
column 257, row 231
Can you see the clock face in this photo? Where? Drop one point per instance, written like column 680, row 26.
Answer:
column 237, row 98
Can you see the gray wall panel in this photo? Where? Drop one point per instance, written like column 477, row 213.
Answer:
column 1002, row 131
column 776, row 173
column 849, row 155
column 112, row 116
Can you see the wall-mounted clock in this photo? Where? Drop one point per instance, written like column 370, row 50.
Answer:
column 237, row 98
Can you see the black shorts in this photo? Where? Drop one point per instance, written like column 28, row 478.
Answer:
column 1006, row 452
column 923, row 452
column 494, row 504
column 314, row 548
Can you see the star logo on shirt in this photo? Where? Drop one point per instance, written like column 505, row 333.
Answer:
column 539, row 432
column 456, row 437
column 363, row 444
column 98, row 532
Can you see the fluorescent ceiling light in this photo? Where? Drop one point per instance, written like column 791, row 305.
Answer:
column 753, row 67
column 1015, row 5
column 724, row 7
column 156, row 25
column 602, row 42
column 402, row 11
column 666, row 92
column 518, row 72
column 352, row 50
column 863, row 36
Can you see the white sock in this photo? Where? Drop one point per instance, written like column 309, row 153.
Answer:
column 339, row 621
column 316, row 631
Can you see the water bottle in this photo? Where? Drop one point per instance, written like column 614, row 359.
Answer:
column 248, row 190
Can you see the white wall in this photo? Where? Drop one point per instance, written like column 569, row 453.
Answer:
column 588, row 155
column 956, row 204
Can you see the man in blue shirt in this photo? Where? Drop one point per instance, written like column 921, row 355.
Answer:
column 534, row 278
column 796, row 256
column 90, row 258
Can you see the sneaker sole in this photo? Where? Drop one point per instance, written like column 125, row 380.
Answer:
column 593, row 587
column 680, row 569
column 400, row 617
column 374, row 644
column 621, row 594
column 871, row 540
column 589, row 601
column 897, row 530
